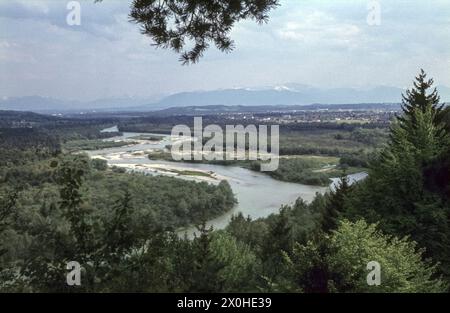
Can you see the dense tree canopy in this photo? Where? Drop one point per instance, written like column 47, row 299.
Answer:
column 122, row 227
column 408, row 185
column 337, row 263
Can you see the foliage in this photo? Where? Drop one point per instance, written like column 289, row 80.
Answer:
column 417, row 99
column 338, row 262
column 301, row 170
column 93, row 144
column 122, row 227
column 403, row 191
column 87, row 214
column 335, row 204
column 172, row 23
column 241, row 265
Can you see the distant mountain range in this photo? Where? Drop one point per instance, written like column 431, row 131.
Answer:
column 219, row 109
column 289, row 94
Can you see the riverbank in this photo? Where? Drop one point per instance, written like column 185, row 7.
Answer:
column 258, row 194
column 303, row 169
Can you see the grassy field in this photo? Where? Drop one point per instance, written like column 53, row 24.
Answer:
column 308, row 156
column 95, row 144
column 305, row 169
column 331, row 142
column 311, row 169
column 321, row 159
column 148, row 137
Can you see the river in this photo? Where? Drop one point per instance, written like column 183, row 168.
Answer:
column 258, row 194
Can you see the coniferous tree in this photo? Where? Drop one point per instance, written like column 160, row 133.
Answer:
column 308, row 265
column 416, row 139
column 444, row 118
column 335, row 204
column 401, row 191
column 205, row 276
column 173, row 23
column 437, row 172
column 281, row 229
column 420, row 98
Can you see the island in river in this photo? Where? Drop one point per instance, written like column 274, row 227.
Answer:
column 258, row 194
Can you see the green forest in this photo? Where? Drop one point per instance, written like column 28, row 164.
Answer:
column 57, row 207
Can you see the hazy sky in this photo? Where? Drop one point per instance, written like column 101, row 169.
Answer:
column 320, row 43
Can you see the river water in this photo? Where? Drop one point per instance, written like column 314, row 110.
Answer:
column 258, row 194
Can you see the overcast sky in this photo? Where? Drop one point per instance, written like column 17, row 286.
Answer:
column 320, row 43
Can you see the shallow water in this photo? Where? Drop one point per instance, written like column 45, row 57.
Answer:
column 258, row 194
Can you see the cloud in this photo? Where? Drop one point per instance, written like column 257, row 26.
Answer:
column 24, row 9
column 38, row 6
column 318, row 28
column 97, row 19
column 326, row 43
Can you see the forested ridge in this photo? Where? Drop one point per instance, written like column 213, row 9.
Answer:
column 56, row 206
column 120, row 227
